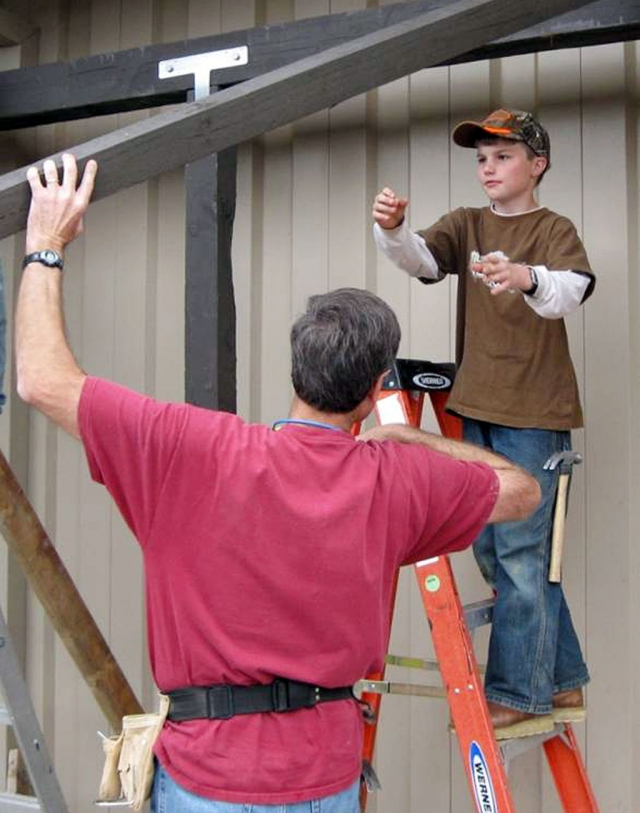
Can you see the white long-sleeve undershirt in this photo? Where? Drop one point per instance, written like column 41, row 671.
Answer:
column 559, row 292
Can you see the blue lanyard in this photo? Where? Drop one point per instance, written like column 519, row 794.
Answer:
column 305, row 422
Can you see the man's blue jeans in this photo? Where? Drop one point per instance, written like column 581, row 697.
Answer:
column 533, row 649
column 168, row 797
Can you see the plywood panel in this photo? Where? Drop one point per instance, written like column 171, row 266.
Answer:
column 247, row 275
column 393, row 761
column 561, row 190
column 631, row 54
column 470, row 97
column 310, row 194
column 431, row 324
column 247, row 250
column 607, row 446
column 430, row 331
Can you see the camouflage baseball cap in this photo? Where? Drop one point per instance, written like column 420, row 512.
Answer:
column 513, row 125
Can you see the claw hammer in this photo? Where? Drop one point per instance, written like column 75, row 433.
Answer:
column 564, row 460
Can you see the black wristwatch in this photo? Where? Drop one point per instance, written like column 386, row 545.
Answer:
column 534, row 281
column 47, row 257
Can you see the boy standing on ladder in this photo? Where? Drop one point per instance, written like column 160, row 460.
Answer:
column 521, row 268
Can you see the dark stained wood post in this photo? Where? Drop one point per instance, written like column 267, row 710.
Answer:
column 210, row 315
column 210, row 311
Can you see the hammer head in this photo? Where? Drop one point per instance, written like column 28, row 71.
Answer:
column 563, row 459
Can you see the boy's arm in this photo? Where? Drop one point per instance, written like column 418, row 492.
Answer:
column 393, row 237
column 519, row 493
column 407, row 250
column 558, row 293
column 551, row 294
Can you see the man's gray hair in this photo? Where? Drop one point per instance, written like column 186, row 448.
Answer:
column 340, row 346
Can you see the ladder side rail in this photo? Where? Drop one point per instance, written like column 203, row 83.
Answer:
column 28, row 733
column 393, row 406
column 481, row 756
column 569, row 773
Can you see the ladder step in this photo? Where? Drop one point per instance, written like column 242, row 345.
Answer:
column 515, row 747
column 10, row 802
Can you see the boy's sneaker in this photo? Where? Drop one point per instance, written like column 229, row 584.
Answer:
column 568, row 707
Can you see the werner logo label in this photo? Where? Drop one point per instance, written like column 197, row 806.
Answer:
column 482, row 786
column 432, row 381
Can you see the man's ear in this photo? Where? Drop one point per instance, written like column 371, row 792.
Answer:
column 374, row 392
column 366, row 406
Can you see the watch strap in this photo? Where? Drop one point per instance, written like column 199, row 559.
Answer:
column 47, row 257
column 533, row 276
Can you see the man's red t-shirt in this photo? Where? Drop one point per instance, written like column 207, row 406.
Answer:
column 270, row 554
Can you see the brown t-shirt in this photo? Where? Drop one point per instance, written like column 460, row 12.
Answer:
column 514, row 366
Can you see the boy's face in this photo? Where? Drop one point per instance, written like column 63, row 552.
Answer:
column 507, row 174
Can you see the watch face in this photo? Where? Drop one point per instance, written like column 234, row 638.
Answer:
column 47, row 257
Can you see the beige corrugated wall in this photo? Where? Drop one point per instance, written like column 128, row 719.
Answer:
column 303, row 226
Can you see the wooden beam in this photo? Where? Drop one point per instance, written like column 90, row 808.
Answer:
column 14, row 28
column 128, row 80
column 62, row 602
column 178, row 137
column 596, row 24
column 210, row 324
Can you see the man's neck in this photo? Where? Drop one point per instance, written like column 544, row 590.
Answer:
column 304, row 412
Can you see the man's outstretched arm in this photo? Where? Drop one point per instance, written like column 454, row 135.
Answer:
column 48, row 376
column 519, row 491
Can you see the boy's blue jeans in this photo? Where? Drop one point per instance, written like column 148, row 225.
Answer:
column 533, row 649
column 168, row 797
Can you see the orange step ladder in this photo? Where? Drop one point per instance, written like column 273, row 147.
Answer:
column 401, row 401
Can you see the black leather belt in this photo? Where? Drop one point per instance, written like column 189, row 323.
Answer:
column 224, row 701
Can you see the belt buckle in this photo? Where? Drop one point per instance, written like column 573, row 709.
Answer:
column 220, row 702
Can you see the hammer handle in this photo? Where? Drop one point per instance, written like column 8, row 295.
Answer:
column 557, row 539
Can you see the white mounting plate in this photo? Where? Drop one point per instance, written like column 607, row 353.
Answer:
column 201, row 65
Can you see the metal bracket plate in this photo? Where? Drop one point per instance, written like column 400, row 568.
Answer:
column 201, row 65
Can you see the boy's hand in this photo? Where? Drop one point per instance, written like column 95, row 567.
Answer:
column 57, row 209
column 388, row 209
column 505, row 275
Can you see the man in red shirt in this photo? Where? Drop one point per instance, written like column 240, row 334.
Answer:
column 269, row 555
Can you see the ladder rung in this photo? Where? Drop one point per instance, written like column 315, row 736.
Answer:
column 15, row 801
column 478, row 613
column 420, row 663
column 390, row 687
column 412, row 663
